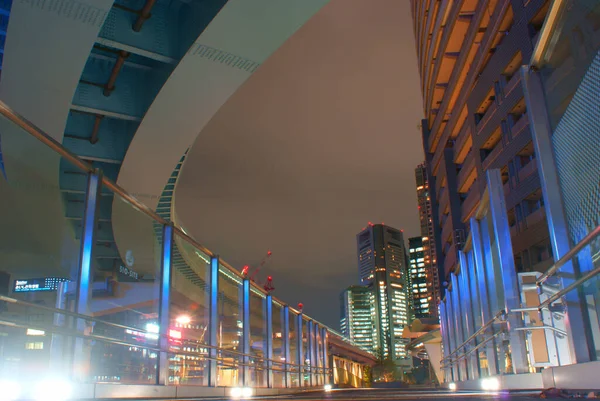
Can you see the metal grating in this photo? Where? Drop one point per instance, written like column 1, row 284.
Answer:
column 576, row 142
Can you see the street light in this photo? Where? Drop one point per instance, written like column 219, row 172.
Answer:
column 183, row 319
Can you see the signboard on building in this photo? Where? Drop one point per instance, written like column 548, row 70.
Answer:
column 38, row 284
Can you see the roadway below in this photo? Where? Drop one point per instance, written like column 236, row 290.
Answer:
column 403, row 394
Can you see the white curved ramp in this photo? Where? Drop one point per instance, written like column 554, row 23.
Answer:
column 241, row 37
column 47, row 45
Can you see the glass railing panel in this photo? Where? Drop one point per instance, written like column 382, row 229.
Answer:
column 258, row 339
column 40, row 234
column 125, row 291
column 229, row 332
column 189, row 315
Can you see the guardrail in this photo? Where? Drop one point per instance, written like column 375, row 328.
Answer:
column 316, row 343
column 452, row 359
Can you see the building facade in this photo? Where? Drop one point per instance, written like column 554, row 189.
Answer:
column 511, row 138
column 421, row 301
column 469, row 56
column 382, row 265
column 356, row 318
column 428, row 238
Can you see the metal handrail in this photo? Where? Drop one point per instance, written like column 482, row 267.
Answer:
column 72, row 333
column 119, row 326
column 477, row 333
column 569, row 255
column 469, row 352
column 49, row 141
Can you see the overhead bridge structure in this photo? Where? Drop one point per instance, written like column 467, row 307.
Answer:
column 104, row 289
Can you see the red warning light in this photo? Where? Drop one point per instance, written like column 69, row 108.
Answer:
column 300, row 305
column 269, row 278
column 269, row 253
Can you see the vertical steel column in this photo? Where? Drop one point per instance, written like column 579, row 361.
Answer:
column 484, row 293
column 467, row 312
column 164, row 319
column 453, row 333
column 269, row 340
column 300, row 351
column 324, row 338
column 475, row 306
column 512, row 296
column 580, row 337
column 445, row 341
column 246, row 333
column 83, row 292
column 458, row 326
column 310, row 352
column 213, row 320
column 286, row 346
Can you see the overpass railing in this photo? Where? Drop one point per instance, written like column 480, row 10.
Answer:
column 544, row 314
column 104, row 290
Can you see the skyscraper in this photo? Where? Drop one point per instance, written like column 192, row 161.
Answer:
column 428, row 239
column 421, row 299
column 382, row 265
column 357, row 312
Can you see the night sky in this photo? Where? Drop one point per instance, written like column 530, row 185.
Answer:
column 321, row 140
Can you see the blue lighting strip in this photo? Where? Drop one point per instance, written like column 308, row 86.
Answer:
column 164, row 302
column 269, row 340
column 300, row 351
column 246, row 332
column 213, row 279
column 286, row 345
column 84, row 275
column 310, row 352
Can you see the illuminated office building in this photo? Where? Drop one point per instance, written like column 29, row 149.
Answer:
column 428, row 238
column 382, row 264
column 357, row 312
column 420, row 295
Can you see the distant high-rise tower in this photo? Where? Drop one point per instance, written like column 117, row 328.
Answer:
column 420, row 292
column 358, row 310
column 428, row 239
column 382, row 264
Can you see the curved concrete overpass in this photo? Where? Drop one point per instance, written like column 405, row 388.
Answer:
column 128, row 94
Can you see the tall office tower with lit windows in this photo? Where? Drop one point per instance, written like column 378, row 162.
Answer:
column 357, row 312
column 383, row 265
column 422, row 303
column 428, row 239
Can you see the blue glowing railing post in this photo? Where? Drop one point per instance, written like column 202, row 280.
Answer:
column 246, row 332
column 269, row 339
column 84, row 275
column 310, row 352
column 300, row 350
column 164, row 318
column 286, row 345
column 213, row 320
